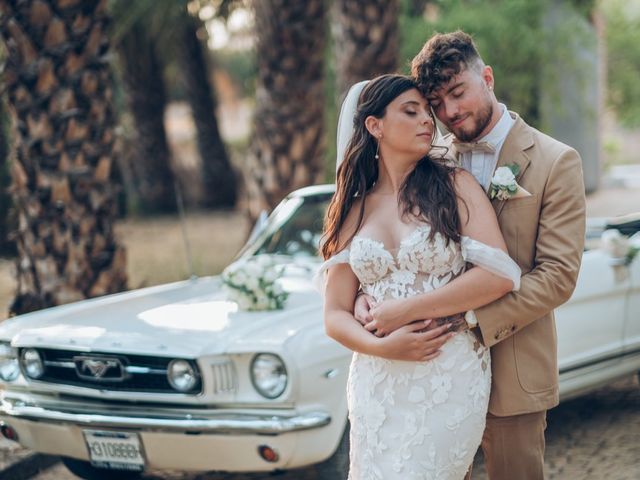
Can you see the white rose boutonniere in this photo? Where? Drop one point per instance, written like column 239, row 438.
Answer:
column 504, row 185
column 254, row 284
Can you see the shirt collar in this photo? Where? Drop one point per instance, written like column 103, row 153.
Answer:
column 501, row 129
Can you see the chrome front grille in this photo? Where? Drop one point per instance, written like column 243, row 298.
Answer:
column 224, row 377
column 114, row 372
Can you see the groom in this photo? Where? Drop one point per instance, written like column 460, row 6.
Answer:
column 544, row 233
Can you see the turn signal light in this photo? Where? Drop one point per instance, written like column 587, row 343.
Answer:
column 268, row 453
column 8, row 432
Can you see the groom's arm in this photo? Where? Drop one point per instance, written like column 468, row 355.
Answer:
column 558, row 246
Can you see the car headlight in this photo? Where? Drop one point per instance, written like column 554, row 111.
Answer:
column 32, row 363
column 182, row 375
column 9, row 366
column 269, row 375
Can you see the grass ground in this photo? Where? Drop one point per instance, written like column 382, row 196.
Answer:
column 156, row 252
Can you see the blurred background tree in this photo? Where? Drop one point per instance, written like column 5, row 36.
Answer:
column 623, row 58
column 288, row 133
column 148, row 168
column 143, row 29
column 366, row 33
column 7, row 247
column 218, row 177
column 58, row 83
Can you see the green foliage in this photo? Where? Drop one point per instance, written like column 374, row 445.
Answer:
column 241, row 67
column 623, row 58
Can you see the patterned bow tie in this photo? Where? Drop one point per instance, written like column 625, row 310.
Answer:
column 464, row 147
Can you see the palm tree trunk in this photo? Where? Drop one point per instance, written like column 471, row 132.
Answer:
column 6, row 247
column 59, row 90
column 218, row 177
column 366, row 38
column 287, row 145
column 150, row 168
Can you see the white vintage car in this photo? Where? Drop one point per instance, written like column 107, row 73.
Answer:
column 175, row 377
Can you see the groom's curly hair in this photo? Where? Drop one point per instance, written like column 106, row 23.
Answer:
column 443, row 57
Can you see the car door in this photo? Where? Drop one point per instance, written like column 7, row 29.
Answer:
column 631, row 339
column 591, row 324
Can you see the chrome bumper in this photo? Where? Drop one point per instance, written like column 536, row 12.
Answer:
column 211, row 422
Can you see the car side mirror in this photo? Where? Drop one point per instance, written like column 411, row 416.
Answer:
column 619, row 248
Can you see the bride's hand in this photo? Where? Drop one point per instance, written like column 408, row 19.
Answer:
column 388, row 316
column 412, row 343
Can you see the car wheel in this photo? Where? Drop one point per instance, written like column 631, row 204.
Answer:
column 337, row 465
column 87, row 471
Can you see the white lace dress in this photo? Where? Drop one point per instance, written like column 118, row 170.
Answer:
column 418, row 420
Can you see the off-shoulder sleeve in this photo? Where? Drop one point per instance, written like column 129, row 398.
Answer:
column 319, row 277
column 492, row 259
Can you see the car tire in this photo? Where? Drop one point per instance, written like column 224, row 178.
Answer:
column 87, row 471
column 337, row 465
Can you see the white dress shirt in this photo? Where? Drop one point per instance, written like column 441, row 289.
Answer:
column 482, row 164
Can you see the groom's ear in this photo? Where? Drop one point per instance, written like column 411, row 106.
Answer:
column 373, row 126
column 487, row 76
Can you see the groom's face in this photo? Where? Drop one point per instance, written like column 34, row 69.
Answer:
column 464, row 105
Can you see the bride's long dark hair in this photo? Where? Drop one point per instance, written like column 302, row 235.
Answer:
column 427, row 193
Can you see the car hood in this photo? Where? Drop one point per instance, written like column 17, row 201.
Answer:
column 185, row 319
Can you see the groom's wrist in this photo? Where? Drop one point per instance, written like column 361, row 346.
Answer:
column 457, row 322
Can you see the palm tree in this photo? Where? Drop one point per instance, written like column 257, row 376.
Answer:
column 5, row 201
column 286, row 147
column 58, row 82
column 366, row 37
column 150, row 166
column 166, row 25
column 218, row 177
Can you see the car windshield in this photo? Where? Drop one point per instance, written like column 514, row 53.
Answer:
column 293, row 229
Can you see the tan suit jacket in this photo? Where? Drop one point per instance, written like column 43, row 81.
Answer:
column 544, row 234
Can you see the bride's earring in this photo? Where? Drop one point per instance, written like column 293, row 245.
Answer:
column 377, row 155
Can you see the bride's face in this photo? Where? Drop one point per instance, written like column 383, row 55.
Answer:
column 407, row 126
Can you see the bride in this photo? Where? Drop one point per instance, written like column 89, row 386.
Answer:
column 403, row 222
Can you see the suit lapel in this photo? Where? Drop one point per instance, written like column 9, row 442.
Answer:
column 519, row 139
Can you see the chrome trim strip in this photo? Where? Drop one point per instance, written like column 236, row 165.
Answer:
column 219, row 423
column 128, row 369
column 145, row 370
column 607, row 357
column 52, row 363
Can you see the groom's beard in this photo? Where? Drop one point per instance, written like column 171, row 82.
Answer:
column 481, row 120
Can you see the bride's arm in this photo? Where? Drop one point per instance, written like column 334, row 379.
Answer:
column 339, row 323
column 407, row 343
column 474, row 288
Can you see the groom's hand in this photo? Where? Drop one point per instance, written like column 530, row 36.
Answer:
column 388, row 316
column 362, row 308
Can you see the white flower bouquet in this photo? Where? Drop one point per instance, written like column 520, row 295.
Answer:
column 253, row 283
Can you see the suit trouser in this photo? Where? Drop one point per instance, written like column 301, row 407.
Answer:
column 514, row 446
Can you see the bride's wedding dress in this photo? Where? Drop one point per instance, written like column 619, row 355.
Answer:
column 418, row 420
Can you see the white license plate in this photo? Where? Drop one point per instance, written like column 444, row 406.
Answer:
column 115, row 450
